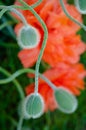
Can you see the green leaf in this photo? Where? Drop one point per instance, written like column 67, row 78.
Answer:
column 66, row 101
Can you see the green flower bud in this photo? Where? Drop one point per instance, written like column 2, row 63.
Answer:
column 28, row 37
column 66, row 101
column 81, row 6
column 33, row 106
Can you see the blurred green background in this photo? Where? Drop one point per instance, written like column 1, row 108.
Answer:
column 9, row 97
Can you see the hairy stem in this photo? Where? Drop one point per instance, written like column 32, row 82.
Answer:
column 10, row 8
column 19, row 126
column 70, row 17
column 18, row 86
column 43, row 44
column 36, row 4
column 22, row 71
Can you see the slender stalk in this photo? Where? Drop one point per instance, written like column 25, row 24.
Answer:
column 18, row 86
column 20, row 15
column 70, row 17
column 36, row 4
column 33, row 6
column 6, row 8
column 43, row 44
column 19, row 126
column 3, row 11
column 22, row 71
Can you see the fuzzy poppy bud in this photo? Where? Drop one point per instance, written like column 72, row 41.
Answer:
column 66, row 101
column 81, row 6
column 33, row 106
column 28, row 37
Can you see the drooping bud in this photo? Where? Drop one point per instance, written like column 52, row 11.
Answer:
column 28, row 37
column 33, row 106
column 81, row 6
column 66, row 101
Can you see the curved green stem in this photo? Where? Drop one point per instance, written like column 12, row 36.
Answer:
column 33, row 6
column 19, row 126
column 20, row 15
column 43, row 44
column 22, row 71
column 2, row 12
column 18, row 86
column 10, row 8
column 36, row 4
column 70, row 17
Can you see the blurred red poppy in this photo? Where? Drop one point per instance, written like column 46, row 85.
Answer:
column 63, row 44
column 69, row 77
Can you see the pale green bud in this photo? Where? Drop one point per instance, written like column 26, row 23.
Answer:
column 81, row 6
column 66, row 101
column 33, row 106
column 28, row 37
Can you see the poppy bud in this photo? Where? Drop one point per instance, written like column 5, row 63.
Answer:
column 28, row 37
column 33, row 106
column 81, row 6
column 66, row 101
